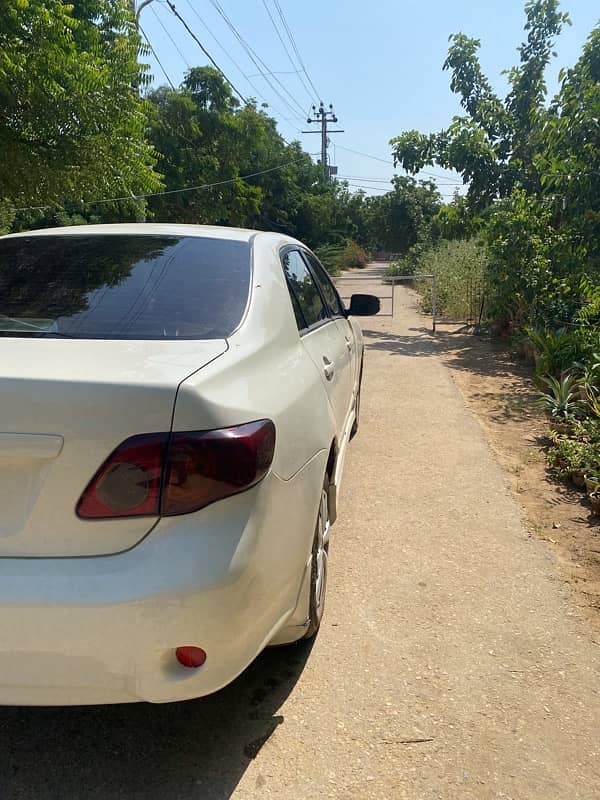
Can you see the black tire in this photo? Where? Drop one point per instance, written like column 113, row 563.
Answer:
column 319, row 558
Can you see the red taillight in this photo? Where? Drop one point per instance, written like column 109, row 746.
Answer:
column 128, row 484
column 207, row 466
column 158, row 473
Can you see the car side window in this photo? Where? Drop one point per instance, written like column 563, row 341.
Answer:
column 327, row 288
column 306, row 298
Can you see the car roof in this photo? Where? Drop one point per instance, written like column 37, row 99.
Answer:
column 156, row 229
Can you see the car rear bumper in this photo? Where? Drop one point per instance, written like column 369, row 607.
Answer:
column 105, row 629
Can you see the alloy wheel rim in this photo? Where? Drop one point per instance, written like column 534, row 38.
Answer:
column 321, row 554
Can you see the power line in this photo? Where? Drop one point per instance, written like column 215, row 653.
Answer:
column 388, row 180
column 154, row 53
column 387, row 161
column 311, row 97
column 258, row 62
column 364, row 187
column 294, row 45
column 173, row 42
column 173, row 191
column 366, row 155
column 240, row 70
column 374, row 188
column 273, row 72
column 205, row 51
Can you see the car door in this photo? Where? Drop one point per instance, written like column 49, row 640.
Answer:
column 320, row 335
column 334, row 302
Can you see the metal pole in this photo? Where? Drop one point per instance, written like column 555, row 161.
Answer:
column 137, row 9
column 324, row 143
column 433, row 302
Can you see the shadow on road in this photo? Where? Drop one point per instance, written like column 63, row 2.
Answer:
column 196, row 749
column 468, row 351
column 513, row 394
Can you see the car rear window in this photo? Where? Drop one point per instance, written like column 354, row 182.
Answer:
column 122, row 286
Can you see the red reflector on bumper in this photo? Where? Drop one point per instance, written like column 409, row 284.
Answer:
column 190, row 656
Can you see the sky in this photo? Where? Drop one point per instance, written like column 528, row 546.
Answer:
column 379, row 63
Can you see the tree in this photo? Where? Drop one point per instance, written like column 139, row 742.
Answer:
column 197, row 135
column 533, row 170
column 545, row 244
column 401, row 218
column 205, row 139
column 72, row 123
column 495, row 145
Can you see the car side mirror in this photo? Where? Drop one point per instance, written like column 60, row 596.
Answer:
column 363, row 305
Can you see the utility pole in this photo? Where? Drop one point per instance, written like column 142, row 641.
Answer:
column 324, row 116
column 136, row 9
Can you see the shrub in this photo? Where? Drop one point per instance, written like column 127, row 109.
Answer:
column 568, row 455
column 460, row 270
column 343, row 255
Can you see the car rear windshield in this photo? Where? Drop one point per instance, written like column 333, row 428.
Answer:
column 122, row 286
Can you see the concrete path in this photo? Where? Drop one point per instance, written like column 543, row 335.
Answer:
column 451, row 662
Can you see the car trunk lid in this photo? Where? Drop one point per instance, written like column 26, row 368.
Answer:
column 65, row 405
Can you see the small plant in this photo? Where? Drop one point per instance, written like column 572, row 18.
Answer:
column 562, row 403
column 567, row 456
column 554, row 351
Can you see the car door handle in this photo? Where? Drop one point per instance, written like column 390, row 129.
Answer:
column 348, row 343
column 328, row 368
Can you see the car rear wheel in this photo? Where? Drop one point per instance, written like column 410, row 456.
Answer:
column 318, row 574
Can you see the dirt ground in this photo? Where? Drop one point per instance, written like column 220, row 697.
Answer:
column 499, row 389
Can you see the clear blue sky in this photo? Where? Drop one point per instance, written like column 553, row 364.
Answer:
column 379, row 63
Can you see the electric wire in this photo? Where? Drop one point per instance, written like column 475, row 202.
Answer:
column 173, row 42
column 388, row 161
column 171, row 191
column 259, row 63
column 240, row 70
column 387, row 180
column 294, row 45
column 157, row 59
column 205, row 51
column 310, row 95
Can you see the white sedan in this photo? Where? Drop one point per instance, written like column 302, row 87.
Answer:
column 175, row 407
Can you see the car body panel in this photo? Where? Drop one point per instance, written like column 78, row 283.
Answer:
column 92, row 394
column 104, row 629
column 102, row 624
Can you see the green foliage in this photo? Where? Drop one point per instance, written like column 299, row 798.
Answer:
column 563, row 401
column 533, row 170
column 460, row 270
column 572, row 454
column 495, row 144
column 336, row 257
column 204, row 138
column 399, row 219
column 72, row 122
column 456, row 220
column 555, row 351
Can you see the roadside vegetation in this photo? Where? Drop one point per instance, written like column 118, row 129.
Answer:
column 344, row 255
column 86, row 139
column 531, row 165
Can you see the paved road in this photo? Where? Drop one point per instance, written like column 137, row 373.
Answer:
column 451, row 662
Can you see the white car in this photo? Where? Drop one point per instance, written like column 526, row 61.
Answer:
column 175, row 406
